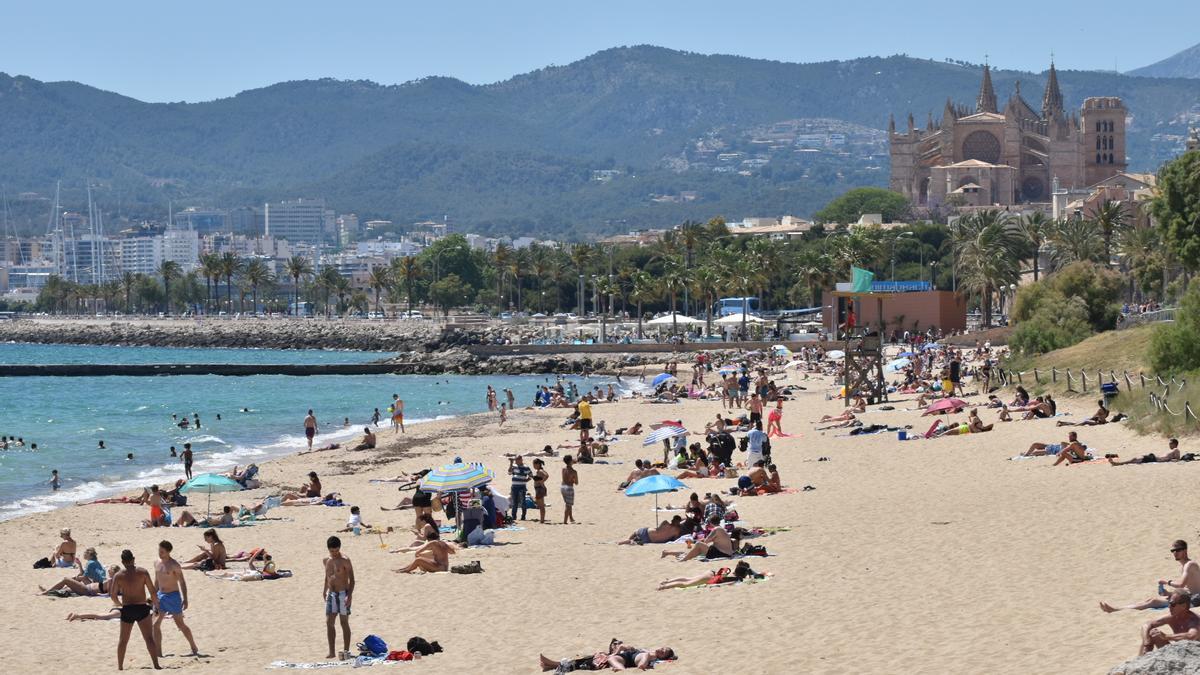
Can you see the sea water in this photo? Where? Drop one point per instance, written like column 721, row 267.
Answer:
column 68, row 416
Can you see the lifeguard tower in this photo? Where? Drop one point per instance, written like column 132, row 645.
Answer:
column 862, row 368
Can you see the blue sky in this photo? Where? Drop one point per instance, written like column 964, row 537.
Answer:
column 175, row 50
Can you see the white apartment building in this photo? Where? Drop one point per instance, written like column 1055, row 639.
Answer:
column 297, row 220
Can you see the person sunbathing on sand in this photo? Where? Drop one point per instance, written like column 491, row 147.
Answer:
column 667, row 530
column 1043, row 449
column 1041, row 410
column 701, row 470
column 307, row 491
column 114, row 613
column 722, row 576
column 432, row 556
column 643, row 469
column 1100, row 417
column 186, row 519
column 1188, row 583
column 211, row 558
column 81, row 587
column 846, row 416
column 634, row 430
column 717, row 544
column 1172, row 455
column 600, row 660
column 975, row 424
column 64, row 553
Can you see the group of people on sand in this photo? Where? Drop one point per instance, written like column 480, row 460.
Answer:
column 137, row 597
column 1178, row 596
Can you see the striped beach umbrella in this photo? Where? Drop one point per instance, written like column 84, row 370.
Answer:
column 457, row 477
column 663, row 433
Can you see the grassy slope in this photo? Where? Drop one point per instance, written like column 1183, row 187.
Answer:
column 1118, row 351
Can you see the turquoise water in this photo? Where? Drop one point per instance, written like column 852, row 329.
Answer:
column 68, row 416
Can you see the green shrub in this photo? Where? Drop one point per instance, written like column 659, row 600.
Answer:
column 1175, row 346
column 1056, row 323
column 1099, row 289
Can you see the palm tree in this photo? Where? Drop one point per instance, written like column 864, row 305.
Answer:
column 645, row 289
column 210, row 267
column 501, row 258
column 581, row 256
column 1035, row 228
column 986, row 252
column 763, row 255
column 516, row 272
column 378, row 279
column 675, row 277
column 1141, row 252
column 169, row 270
column 689, row 237
column 407, row 270
column 229, row 266
column 257, row 273
column 1075, row 239
column 328, row 280
column 741, row 275
column 297, row 267
column 707, row 283
column 812, row 268
column 341, row 287
column 1110, row 218
column 128, row 281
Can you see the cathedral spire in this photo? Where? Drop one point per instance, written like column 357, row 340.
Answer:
column 1052, row 100
column 987, row 96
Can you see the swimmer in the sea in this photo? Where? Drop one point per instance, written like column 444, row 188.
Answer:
column 101, row 446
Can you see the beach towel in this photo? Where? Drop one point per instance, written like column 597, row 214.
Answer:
column 310, row 666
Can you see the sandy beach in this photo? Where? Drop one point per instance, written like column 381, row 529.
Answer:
column 924, row 556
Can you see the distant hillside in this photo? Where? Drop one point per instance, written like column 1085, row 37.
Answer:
column 628, row 137
column 1183, row 64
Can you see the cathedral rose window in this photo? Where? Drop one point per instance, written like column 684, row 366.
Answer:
column 982, row 146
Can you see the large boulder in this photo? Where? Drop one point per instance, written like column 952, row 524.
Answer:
column 1180, row 658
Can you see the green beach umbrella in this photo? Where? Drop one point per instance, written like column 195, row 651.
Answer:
column 208, row 483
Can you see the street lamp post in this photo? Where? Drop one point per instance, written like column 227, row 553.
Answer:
column 896, row 241
column 579, row 296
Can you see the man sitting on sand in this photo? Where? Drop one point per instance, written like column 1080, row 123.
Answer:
column 1189, row 582
column 1184, row 623
column 667, row 530
column 1100, row 417
column 1172, row 455
column 1043, row 449
column 717, row 544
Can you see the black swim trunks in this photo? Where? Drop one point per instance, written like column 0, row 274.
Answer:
column 585, row 424
column 422, row 499
column 714, row 552
column 134, row 613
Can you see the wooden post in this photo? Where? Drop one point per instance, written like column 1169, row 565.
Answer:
column 1083, row 379
column 1036, row 378
column 1054, row 374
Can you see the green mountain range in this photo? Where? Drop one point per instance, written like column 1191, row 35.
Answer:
column 626, row 138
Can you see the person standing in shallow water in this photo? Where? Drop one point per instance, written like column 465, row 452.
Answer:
column 310, row 428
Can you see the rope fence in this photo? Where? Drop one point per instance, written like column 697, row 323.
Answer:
column 1078, row 381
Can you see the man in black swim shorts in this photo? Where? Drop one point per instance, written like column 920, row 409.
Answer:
column 133, row 589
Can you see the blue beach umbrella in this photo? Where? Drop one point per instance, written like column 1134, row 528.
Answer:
column 654, row 485
column 662, row 377
column 907, row 354
column 897, row 365
column 931, row 345
column 208, row 483
column 457, row 477
column 663, row 433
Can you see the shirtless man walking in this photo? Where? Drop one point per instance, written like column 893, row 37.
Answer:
column 172, row 596
column 1189, row 582
column 310, row 428
column 338, row 593
column 133, row 590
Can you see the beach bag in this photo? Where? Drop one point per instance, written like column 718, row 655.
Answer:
column 419, row 645
column 42, row 564
column 472, row 567
column 752, row 549
column 373, row 645
column 403, row 655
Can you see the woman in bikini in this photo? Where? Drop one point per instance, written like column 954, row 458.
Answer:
column 774, row 419
column 64, row 553
column 539, row 488
column 211, row 558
